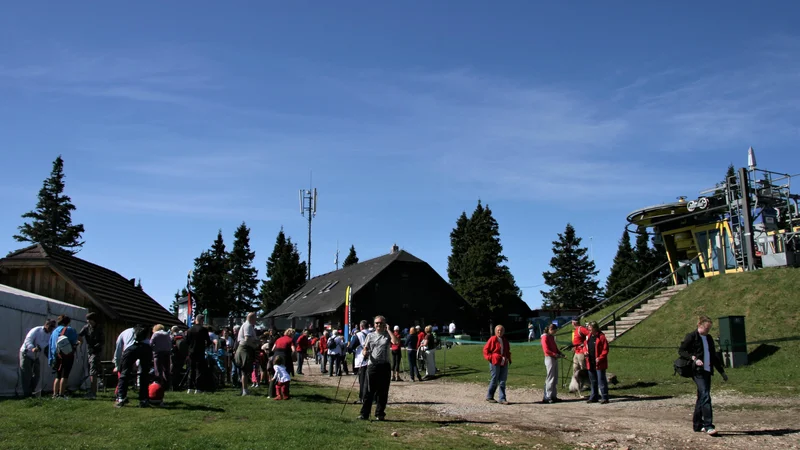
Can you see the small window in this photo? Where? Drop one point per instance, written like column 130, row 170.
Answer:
column 324, row 288
column 328, row 288
column 306, row 294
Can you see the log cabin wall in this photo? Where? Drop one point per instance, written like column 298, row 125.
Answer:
column 46, row 282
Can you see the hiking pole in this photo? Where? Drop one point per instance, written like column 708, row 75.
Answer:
column 366, row 380
column 337, row 384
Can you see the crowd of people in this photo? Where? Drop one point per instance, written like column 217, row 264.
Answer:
column 153, row 358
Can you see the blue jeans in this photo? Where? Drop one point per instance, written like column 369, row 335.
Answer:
column 598, row 377
column 703, row 417
column 499, row 376
column 412, row 365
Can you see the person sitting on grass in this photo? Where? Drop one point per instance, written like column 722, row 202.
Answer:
column 282, row 379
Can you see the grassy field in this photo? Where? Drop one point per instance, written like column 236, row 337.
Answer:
column 311, row 419
column 642, row 358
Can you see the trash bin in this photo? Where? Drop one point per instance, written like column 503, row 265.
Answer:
column 733, row 341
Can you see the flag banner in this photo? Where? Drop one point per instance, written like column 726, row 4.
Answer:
column 191, row 305
column 347, row 315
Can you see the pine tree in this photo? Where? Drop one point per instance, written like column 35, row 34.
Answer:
column 243, row 276
column 351, row 257
column 625, row 270
column 52, row 219
column 459, row 246
column 211, row 280
column 476, row 267
column 285, row 273
column 175, row 306
column 731, row 172
column 648, row 259
column 572, row 281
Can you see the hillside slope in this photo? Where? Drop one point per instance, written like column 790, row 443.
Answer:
column 770, row 301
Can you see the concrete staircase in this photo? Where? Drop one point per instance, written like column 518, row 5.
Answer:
column 634, row 317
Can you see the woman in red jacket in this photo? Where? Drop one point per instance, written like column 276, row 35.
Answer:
column 597, row 363
column 498, row 352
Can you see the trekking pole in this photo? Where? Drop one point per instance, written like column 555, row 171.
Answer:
column 337, row 385
column 366, row 380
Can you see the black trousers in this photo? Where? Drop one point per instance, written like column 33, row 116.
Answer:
column 362, row 382
column 378, row 377
column 396, row 355
column 127, row 368
column 197, row 369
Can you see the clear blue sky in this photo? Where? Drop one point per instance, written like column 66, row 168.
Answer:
column 176, row 119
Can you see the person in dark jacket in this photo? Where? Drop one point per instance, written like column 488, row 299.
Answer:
column 93, row 335
column 411, row 346
column 198, row 340
column 698, row 347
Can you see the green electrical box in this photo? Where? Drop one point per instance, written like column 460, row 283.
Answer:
column 733, row 341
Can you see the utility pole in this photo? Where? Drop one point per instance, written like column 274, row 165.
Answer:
column 310, row 208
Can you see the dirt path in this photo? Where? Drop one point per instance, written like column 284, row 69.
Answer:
column 627, row 422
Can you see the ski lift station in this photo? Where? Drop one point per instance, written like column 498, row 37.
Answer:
column 748, row 222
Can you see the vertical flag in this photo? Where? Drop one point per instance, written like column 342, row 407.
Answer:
column 347, row 314
column 190, row 304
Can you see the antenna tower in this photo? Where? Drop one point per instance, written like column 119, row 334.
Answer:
column 308, row 205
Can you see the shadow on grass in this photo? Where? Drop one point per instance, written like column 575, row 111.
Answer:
column 445, row 423
column 777, row 433
column 761, row 352
column 458, row 371
column 315, row 398
column 188, row 407
column 631, row 398
column 637, row 385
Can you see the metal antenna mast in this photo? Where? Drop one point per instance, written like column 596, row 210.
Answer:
column 310, row 207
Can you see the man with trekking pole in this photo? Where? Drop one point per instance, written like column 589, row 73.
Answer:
column 377, row 348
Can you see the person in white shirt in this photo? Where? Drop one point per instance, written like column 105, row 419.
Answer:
column 452, row 329
column 246, row 351
column 133, row 344
column 37, row 339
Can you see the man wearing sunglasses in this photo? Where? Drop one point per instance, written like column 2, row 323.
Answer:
column 377, row 350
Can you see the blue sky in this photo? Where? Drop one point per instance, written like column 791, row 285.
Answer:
column 176, row 119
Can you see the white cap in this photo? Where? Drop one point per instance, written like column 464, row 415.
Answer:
column 397, row 328
column 335, row 332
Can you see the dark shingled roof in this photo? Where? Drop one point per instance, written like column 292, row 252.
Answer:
column 111, row 292
column 326, row 293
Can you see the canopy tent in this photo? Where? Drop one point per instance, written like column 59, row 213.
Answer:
column 19, row 312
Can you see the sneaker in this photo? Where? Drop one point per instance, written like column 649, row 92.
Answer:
column 362, row 418
column 144, row 404
column 381, row 418
column 245, row 393
column 604, row 401
column 491, row 400
column 711, row 431
column 503, row 402
column 189, row 391
column 121, row 402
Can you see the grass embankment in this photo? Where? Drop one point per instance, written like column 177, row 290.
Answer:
column 311, row 419
column 642, row 358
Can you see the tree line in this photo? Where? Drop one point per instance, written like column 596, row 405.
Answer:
column 226, row 283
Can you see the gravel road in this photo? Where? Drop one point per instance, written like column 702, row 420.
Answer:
column 627, row 422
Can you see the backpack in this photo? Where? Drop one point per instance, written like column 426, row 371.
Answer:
column 683, row 367
column 332, row 344
column 63, row 345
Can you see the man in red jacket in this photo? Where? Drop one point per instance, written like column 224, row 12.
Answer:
column 597, row 363
column 498, row 352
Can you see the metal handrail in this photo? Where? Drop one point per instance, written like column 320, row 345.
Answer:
column 599, row 305
column 638, row 299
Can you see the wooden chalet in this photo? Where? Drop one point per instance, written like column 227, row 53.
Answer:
column 59, row 275
column 398, row 285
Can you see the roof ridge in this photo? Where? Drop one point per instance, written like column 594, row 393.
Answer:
column 395, row 255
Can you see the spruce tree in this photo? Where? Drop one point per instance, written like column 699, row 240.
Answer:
column 285, row 273
column 173, row 308
column 352, row 258
column 572, row 281
column 625, row 270
column 477, row 268
column 211, row 280
column 243, row 276
column 459, row 246
column 51, row 224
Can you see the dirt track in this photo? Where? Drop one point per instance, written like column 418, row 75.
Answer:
column 627, row 422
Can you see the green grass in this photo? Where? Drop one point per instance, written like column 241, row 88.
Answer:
column 225, row 420
column 769, row 299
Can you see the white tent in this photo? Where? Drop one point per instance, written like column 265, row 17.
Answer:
column 19, row 312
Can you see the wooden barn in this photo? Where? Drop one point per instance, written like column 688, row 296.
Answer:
column 57, row 274
column 398, row 285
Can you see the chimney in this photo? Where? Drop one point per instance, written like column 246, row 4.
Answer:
column 395, row 249
column 133, row 281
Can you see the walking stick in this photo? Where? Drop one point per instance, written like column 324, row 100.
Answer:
column 353, row 387
column 337, row 385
